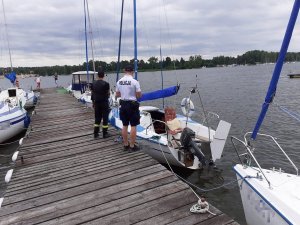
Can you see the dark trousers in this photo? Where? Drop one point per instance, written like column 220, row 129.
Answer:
column 101, row 113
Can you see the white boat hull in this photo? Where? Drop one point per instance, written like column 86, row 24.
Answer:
column 156, row 143
column 279, row 205
column 164, row 154
column 86, row 98
column 11, row 122
column 77, row 94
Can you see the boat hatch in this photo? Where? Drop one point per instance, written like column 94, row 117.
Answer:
column 12, row 93
column 158, row 118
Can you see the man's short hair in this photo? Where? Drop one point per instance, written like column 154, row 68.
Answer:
column 129, row 68
column 101, row 73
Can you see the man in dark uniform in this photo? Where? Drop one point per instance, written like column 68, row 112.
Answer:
column 100, row 95
column 55, row 78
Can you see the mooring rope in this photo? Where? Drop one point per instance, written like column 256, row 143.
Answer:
column 193, row 185
column 196, row 206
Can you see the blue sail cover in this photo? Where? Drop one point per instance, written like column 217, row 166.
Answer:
column 11, row 76
column 278, row 67
column 167, row 92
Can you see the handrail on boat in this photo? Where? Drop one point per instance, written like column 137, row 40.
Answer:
column 250, row 153
column 274, row 139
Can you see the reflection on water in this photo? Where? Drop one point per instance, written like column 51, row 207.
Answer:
column 236, row 94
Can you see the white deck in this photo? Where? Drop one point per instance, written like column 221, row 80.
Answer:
column 262, row 202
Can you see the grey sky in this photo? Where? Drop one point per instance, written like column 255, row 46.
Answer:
column 51, row 32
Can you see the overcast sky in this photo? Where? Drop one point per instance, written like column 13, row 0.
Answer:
column 51, row 32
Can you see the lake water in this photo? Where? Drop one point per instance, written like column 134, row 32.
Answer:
column 236, row 94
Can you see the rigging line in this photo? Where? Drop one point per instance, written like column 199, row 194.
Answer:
column 91, row 35
column 120, row 42
column 294, row 115
column 170, row 40
column 98, row 33
column 161, row 74
column 161, row 58
column 275, row 160
column 86, row 48
column 135, row 41
column 204, row 113
column 7, row 38
column 114, row 24
column 144, row 28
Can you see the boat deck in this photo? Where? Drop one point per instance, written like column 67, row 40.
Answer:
column 68, row 177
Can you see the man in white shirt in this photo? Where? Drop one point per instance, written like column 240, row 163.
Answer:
column 129, row 90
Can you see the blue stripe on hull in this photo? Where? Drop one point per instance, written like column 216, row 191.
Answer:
column 17, row 121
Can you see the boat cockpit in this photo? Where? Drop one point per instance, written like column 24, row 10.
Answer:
column 81, row 81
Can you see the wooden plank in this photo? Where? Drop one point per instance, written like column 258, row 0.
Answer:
column 45, row 197
column 76, row 204
column 59, row 178
column 177, row 214
column 133, row 212
column 113, row 210
column 55, row 139
column 94, row 155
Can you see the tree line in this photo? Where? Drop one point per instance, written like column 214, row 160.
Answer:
column 153, row 63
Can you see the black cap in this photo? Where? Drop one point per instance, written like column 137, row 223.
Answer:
column 129, row 68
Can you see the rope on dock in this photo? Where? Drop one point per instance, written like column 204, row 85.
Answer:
column 195, row 186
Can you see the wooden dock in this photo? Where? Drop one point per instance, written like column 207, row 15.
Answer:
column 68, row 177
column 294, row 75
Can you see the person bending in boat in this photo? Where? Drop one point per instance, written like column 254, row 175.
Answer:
column 129, row 90
column 100, row 95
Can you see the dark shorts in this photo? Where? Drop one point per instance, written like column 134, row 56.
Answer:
column 129, row 113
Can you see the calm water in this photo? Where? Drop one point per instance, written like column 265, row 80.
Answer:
column 236, row 94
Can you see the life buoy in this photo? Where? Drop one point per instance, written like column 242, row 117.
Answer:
column 187, row 107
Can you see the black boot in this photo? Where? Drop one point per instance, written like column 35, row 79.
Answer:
column 105, row 133
column 96, row 132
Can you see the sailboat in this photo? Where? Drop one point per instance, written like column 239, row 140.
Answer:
column 28, row 97
column 13, row 119
column 168, row 137
column 13, row 116
column 82, row 80
column 269, row 196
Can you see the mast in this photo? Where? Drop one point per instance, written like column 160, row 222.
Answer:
column 135, row 41
column 91, row 35
column 278, row 67
column 86, row 44
column 6, row 30
column 120, row 41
